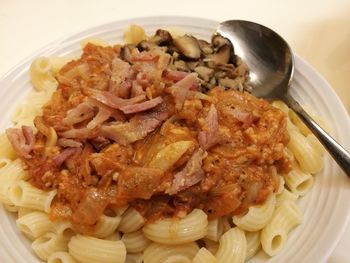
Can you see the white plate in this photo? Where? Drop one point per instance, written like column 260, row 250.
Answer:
column 325, row 208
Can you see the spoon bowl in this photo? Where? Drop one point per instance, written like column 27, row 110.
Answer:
column 271, row 66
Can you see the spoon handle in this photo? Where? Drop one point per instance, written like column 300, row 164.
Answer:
column 340, row 155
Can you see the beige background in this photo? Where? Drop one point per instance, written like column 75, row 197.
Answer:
column 319, row 31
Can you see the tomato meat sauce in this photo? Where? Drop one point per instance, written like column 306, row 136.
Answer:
column 122, row 133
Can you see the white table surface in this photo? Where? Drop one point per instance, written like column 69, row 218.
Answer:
column 318, row 30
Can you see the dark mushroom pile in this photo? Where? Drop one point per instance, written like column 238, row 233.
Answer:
column 215, row 63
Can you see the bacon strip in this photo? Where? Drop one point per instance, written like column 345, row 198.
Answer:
column 190, row 175
column 136, row 129
column 209, row 137
column 22, row 140
column 64, row 155
column 111, row 100
column 68, row 143
column 82, row 112
column 146, row 105
column 181, row 88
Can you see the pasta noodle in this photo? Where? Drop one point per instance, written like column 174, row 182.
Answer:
column 61, row 257
column 253, row 244
column 47, row 244
column 35, row 224
column 6, row 150
column 298, row 181
column 286, row 195
column 106, row 226
column 212, row 246
column 215, row 230
column 135, row 242
column 233, row 246
column 158, row 253
column 274, row 235
column 204, row 256
column 257, row 216
column 134, row 34
column 24, row 194
column 134, row 258
column 41, row 74
column 91, row 250
column 178, row 231
column 131, row 221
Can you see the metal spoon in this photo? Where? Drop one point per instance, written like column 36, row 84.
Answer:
column 271, row 66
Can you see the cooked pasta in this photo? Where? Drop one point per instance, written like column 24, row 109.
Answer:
column 253, row 244
column 22, row 193
column 215, row 230
column 106, row 226
column 35, row 224
column 6, row 150
column 131, row 221
column 158, row 253
column 91, row 250
column 41, row 74
column 299, row 182
column 134, row 34
column 178, row 231
column 286, row 195
column 47, row 244
column 134, row 258
column 204, row 256
column 274, row 235
column 212, row 246
column 233, row 246
column 61, row 257
column 257, row 216
column 135, row 242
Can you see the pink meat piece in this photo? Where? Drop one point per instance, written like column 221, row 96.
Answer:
column 209, row 136
column 139, row 107
column 22, row 140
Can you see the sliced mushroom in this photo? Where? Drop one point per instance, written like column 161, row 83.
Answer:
column 181, row 65
column 188, row 46
column 222, row 56
column 162, row 38
column 204, row 72
column 228, row 69
column 205, row 47
column 126, row 52
column 146, row 45
column 230, row 83
column 192, row 65
column 218, row 41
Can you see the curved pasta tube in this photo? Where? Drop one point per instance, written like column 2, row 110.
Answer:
column 274, row 235
column 280, row 185
column 131, row 221
column 61, row 257
column 22, row 193
column 134, row 34
column 41, row 74
column 212, row 246
column 158, row 253
column 215, row 229
column 91, row 250
column 35, row 224
column 309, row 158
column 285, row 196
column 204, row 256
column 47, row 244
column 253, row 244
column 11, row 208
column 134, row 258
column 6, row 149
column 178, row 231
column 10, row 172
column 114, row 236
column 233, row 246
column 298, row 181
column 106, row 226
column 64, row 229
column 315, row 143
column 257, row 216
column 135, row 242
column 22, row 211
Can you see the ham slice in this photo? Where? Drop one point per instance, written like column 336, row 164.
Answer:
column 209, row 136
column 190, row 175
column 82, row 112
column 146, row 105
column 111, row 100
column 68, row 143
column 136, row 129
column 120, row 82
column 174, row 75
column 22, row 140
column 59, row 159
column 82, row 133
column 181, row 88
